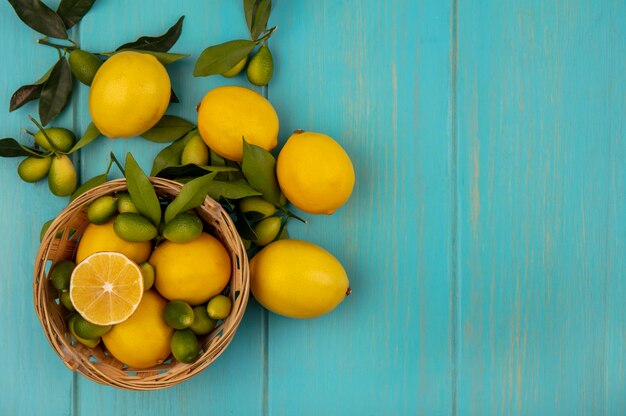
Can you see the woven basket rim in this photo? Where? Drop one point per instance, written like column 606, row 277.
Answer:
column 96, row 364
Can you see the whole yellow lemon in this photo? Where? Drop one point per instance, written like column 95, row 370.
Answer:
column 143, row 340
column 194, row 271
column 97, row 238
column 314, row 172
column 129, row 94
column 226, row 114
column 297, row 279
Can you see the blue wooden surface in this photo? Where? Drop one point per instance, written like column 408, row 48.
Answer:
column 484, row 240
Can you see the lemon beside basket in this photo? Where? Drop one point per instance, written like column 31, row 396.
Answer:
column 60, row 243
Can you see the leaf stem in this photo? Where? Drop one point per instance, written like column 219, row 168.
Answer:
column 292, row 215
column 119, row 166
column 44, row 41
column 39, row 126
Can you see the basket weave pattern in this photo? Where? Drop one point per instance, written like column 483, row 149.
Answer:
column 97, row 364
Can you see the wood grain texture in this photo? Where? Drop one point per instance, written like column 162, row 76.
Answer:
column 541, row 141
column 376, row 77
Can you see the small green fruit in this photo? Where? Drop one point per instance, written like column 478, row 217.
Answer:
column 33, row 169
column 63, row 139
column 134, row 228
column 148, row 273
column 91, row 343
column 219, row 307
column 85, row 329
column 202, row 322
column 125, row 203
column 61, row 274
column 84, row 65
column 195, row 152
column 185, row 346
column 267, row 230
column 102, row 209
column 236, row 69
column 62, row 178
column 183, row 228
column 256, row 204
column 66, row 301
column 178, row 314
column 261, row 67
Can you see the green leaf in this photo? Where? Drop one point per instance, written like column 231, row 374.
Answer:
column 11, row 148
column 141, row 191
column 40, row 17
column 259, row 168
column 178, row 171
column 192, row 195
column 29, row 92
column 261, row 16
column 90, row 184
column 56, row 91
column 72, row 11
column 220, row 58
column 232, row 190
column 245, row 228
column 165, row 58
column 90, row 135
column 248, row 10
column 170, row 156
column 161, row 43
column 168, row 129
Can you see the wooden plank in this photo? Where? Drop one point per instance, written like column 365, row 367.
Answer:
column 28, row 362
column 541, row 184
column 375, row 76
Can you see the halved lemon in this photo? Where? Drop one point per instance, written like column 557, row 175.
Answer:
column 106, row 288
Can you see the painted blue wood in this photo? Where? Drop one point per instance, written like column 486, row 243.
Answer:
column 376, row 77
column 541, row 95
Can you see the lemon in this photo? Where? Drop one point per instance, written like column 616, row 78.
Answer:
column 106, row 288
column 62, row 179
column 227, row 114
column 297, row 279
column 61, row 274
column 267, row 230
column 85, row 329
column 84, row 65
column 97, row 238
column 261, row 67
column 315, row 173
column 102, row 209
column 202, row 323
column 134, row 227
column 143, row 340
column 62, row 139
column 194, row 271
column 219, row 307
column 195, row 152
column 125, row 203
column 33, row 169
column 129, row 94
column 236, row 69
column 185, row 346
column 147, row 271
column 66, row 301
column 256, row 204
column 178, row 314
column 91, row 343
column 183, row 228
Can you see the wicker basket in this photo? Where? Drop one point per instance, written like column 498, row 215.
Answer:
column 97, row 364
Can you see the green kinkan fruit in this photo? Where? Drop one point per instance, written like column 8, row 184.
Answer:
column 256, row 204
column 125, row 203
column 62, row 179
column 102, row 209
column 183, row 228
column 84, row 65
column 195, row 152
column 236, row 69
column 62, row 139
column 33, row 169
column 261, row 67
column 134, row 227
column 185, row 346
column 267, row 230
